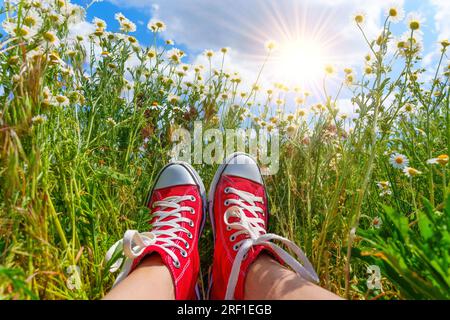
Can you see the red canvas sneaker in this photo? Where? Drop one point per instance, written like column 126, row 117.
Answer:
column 178, row 210
column 239, row 216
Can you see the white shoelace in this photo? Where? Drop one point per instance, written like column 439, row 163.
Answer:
column 252, row 226
column 134, row 243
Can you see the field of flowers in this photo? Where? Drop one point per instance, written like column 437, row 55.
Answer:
column 83, row 134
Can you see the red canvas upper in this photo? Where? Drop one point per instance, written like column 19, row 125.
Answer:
column 185, row 277
column 224, row 254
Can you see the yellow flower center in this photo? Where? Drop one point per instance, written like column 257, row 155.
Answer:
column 442, row 159
column 29, row 21
column 414, row 25
column 359, row 18
column 61, row 99
column 393, row 12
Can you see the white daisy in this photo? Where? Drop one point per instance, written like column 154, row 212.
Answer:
column 399, row 161
column 22, row 31
column 395, row 12
column 39, row 119
column 441, row 159
column 99, row 23
column 411, row 172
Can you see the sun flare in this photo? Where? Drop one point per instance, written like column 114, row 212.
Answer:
column 301, row 61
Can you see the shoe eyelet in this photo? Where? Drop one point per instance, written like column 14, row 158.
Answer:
column 235, row 247
column 189, row 235
column 227, row 190
column 192, row 198
column 226, row 202
column 232, row 238
column 191, row 223
column 228, row 228
column 183, row 253
column 176, row 264
column 192, row 210
column 186, row 245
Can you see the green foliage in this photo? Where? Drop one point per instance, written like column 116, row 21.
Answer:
column 415, row 255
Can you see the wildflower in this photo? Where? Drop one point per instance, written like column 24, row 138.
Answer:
column 441, row 159
column 39, row 119
column 270, row 127
column 409, row 107
column 173, row 99
column 32, row 20
column 208, row 53
column 368, row 70
column 215, row 120
column 270, row 45
column 151, row 53
column 399, row 161
column 385, row 187
column 119, row 17
column 359, row 17
column 290, row 117
column 174, row 55
column 111, row 121
column 395, row 13
column 169, row 42
column 291, row 129
column 125, row 24
column 377, row 222
column 50, row 37
column 224, row 50
column 299, row 100
column 22, row 31
column 330, row 70
column 279, row 102
column 99, row 23
column 411, row 172
column 414, row 21
column 445, row 43
column 256, row 87
column 348, row 70
column 156, row 26
column 132, row 40
column 349, row 79
column 301, row 112
column 62, row 100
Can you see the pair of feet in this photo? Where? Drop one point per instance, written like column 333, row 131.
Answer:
column 239, row 215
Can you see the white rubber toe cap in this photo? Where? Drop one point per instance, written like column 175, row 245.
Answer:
column 242, row 165
column 174, row 175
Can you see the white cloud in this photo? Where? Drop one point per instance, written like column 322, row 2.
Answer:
column 442, row 18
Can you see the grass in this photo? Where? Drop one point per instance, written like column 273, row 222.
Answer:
column 80, row 146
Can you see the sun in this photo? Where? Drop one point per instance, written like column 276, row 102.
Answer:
column 300, row 61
